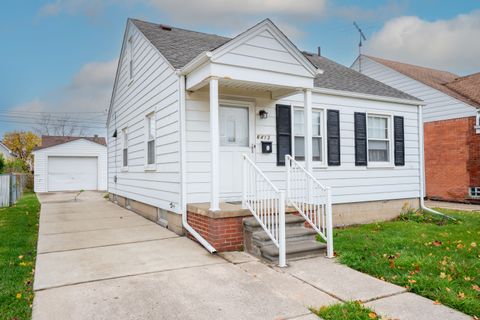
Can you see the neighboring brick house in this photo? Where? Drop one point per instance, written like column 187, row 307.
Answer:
column 451, row 124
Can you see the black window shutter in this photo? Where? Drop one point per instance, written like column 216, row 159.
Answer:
column 399, row 140
column 333, row 137
column 360, row 124
column 284, row 133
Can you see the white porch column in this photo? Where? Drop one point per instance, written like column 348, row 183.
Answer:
column 215, row 142
column 307, row 102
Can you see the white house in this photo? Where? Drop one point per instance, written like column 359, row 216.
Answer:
column 65, row 163
column 201, row 123
column 452, row 127
column 6, row 152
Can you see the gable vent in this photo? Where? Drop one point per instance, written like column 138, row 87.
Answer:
column 165, row 27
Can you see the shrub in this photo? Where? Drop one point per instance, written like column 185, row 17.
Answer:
column 16, row 166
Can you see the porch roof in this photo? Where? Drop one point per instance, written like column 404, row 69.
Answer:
column 181, row 46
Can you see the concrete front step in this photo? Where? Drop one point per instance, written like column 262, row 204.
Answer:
column 300, row 241
column 291, row 234
column 294, row 249
column 251, row 224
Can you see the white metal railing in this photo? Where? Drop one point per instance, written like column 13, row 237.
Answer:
column 311, row 199
column 266, row 203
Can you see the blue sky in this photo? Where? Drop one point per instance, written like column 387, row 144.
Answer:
column 59, row 56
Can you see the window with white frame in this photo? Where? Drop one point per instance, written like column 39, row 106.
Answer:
column 299, row 135
column 130, row 57
column 474, row 192
column 125, row 147
column 379, row 138
column 150, row 138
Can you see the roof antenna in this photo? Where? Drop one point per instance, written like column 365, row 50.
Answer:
column 361, row 36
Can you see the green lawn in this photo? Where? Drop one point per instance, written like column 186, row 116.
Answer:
column 18, row 243
column 351, row 310
column 430, row 256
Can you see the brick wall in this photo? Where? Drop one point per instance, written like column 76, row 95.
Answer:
column 452, row 158
column 224, row 234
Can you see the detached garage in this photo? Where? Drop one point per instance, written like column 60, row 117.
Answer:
column 70, row 164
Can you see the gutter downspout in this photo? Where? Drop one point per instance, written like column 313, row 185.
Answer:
column 183, row 173
column 422, row 168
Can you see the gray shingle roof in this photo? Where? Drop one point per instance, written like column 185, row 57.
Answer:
column 339, row 77
column 180, row 46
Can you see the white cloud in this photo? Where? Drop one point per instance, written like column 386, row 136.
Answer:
column 443, row 44
column 233, row 16
column 88, row 91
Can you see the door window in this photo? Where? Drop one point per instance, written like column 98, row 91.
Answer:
column 233, row 126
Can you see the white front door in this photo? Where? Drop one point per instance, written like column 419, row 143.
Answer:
column 237, row 132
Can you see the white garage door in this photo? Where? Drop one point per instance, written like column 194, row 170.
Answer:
column 72, row 173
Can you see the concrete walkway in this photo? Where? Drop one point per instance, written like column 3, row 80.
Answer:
column 99, row 261
column 452, row 205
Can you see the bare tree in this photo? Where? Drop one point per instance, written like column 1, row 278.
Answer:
column 59, row 125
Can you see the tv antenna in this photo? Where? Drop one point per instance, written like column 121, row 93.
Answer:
column 360, row 43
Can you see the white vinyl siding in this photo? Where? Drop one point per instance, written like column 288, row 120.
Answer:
column 439, row 106
column 263, row 52
column 78, row 148
column 349, row 183
column 155, row 90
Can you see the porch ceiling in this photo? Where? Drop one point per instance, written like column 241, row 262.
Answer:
column 247, row 85
column 252, row 88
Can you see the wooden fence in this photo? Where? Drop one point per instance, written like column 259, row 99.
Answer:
column 12, row 186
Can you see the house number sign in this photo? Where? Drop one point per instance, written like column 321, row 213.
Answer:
column 263, row 137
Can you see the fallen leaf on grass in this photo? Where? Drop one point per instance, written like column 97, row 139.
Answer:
column 437, row 243
column 475, row 287
column 467, row 278
column 412, row 281
column 473, row 244
column 20, row 257
column 448, row 289
column 436, row 302
column 461, row 295
column 442, row 275
column 18, row 296
column 372, row 315
column 392, row 263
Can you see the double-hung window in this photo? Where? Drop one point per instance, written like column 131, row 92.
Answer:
column 125, row 148
column 317, row 135
column 150, row 139
column 379, row 139
column 130, row 57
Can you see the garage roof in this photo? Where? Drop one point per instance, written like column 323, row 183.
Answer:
column 50, row 141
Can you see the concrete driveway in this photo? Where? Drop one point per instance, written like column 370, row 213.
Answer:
column 99, row 261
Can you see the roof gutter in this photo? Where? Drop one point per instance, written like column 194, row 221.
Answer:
column 195, row 63
column 367, row 96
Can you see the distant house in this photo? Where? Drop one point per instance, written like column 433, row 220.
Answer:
column 205, row 130
column 66, row 163
column 452, row 127
column 6, row 153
